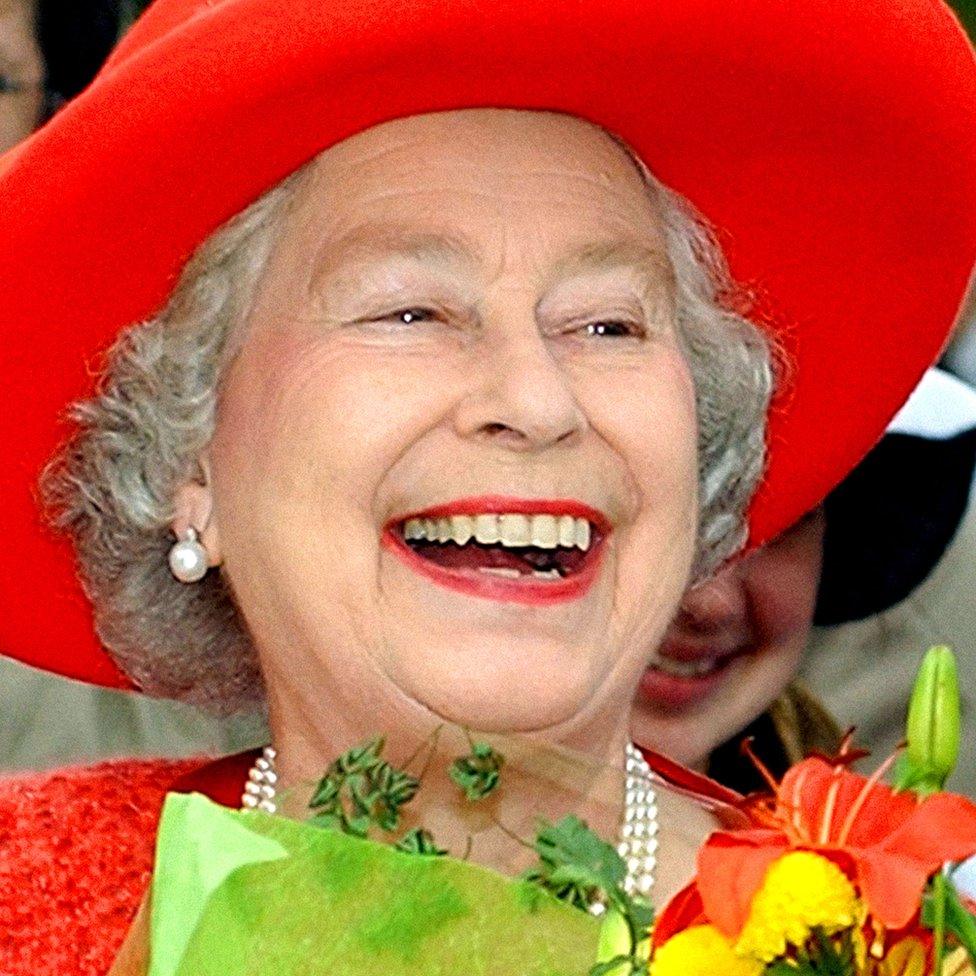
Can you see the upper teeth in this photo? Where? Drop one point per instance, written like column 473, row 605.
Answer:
column 544, row 531
column 687, row 669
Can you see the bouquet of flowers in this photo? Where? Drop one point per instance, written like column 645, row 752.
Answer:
column 833, row 874
column 839, row 874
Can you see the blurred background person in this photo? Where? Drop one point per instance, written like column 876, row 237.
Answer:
column 960, row 357
column 21, row 72
column 49, row 51
column 885, row 568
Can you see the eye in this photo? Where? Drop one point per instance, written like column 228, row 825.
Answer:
column 614, row 328
column 409, row 316
column 9, row 86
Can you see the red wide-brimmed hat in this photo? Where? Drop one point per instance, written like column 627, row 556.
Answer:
column 831, row 142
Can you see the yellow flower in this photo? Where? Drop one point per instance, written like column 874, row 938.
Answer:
column 701, row 951
column 801, row 891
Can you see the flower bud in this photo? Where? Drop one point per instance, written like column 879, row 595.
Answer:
column 934, row 721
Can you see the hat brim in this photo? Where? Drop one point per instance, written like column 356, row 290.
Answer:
column 831, row 142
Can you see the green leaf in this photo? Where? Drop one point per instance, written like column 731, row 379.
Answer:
column 419, row 841
column 327, row 821
column 478, row 774
column 357, row 826
column 641, row 913
column 394, row 785
column 359, row 758
column 821, row 956
column 958, row 919
column 362, row 790
column 578, row 868
column 570, row 844
column 325, row 793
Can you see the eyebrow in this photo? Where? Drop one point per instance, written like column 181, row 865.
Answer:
column 612, row 255
column 378, row 242
column 370, row 242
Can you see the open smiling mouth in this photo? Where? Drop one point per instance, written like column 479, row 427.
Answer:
column 526, row 557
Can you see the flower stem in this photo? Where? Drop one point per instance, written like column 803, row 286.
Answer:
column 938, row 922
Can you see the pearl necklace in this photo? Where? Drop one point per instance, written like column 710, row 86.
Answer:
column 638, row 830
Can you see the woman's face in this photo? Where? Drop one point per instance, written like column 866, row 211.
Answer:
column 467, row 314
column 734, row 646
column 21, row 73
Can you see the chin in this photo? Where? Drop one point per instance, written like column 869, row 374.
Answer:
column 690, row 735
column 507, row 699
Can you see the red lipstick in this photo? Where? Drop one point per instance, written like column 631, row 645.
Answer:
column 530, row 591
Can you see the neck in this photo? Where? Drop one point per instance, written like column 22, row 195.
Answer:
column 539, row 779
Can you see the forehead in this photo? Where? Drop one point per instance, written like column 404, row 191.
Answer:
column 484, row 179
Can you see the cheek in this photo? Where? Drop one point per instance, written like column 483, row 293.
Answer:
column 783, row 597
column 309, row 428
column 648, row 417
column 647, row 414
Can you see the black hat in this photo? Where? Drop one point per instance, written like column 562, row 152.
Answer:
column 75, row 38
column 890, row 521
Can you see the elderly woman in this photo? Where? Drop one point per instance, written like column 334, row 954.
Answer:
column 454, row 396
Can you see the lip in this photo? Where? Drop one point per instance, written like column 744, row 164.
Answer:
column 686, row 650
column 672, row 692
column 531, row 592
column 676, row 692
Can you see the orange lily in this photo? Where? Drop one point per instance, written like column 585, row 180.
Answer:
column 889, row 844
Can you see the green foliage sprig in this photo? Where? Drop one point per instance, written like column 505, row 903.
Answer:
column 574, row 864
column 579, row 868
column 822, row 956
column 419, row 841
column 478, row 774
column 361, row 790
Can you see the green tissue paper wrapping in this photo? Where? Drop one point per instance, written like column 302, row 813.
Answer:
column 237, row 893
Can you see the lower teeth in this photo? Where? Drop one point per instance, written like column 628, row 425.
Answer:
column 553, row 574
column 500, row 571
column 510, row 573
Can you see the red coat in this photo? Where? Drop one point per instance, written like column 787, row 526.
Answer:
column 76, row 849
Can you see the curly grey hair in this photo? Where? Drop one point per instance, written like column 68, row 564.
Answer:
column 111, row 487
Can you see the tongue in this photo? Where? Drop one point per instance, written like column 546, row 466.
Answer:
column 473, row 556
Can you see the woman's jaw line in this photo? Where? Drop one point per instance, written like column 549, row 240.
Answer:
column 307, row 747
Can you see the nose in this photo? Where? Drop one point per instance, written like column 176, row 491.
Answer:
column 716, row 605
column 522, row 398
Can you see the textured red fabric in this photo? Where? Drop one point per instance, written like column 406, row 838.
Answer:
column 76, row 848
column 831, row 142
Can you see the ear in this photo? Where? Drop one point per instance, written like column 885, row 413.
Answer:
column 193, row 508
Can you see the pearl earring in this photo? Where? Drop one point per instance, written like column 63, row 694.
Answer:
column 187, row 558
